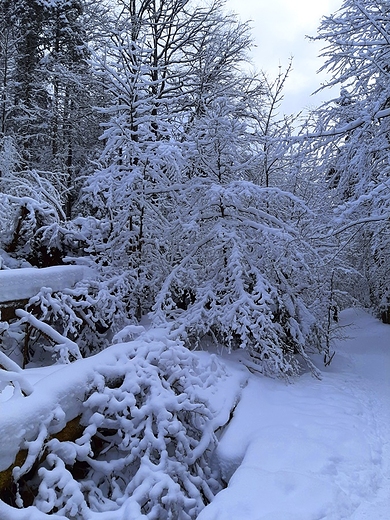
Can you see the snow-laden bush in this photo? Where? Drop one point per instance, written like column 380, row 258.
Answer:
column 74, row 313
column 32, row 220
column 20, row 220
column 146, row 441
column 247, row 276
column 30, row 203
column 45, row 328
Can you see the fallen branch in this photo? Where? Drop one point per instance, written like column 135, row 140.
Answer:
column 65, row 347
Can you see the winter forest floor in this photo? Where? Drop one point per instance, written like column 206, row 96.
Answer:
column 308, row 450
column 314, row 449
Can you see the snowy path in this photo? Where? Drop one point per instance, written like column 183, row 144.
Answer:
column 315, row 449
column 374, row 377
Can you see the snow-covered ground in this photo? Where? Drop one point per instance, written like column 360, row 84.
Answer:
column 309, row 450
column 314, row 449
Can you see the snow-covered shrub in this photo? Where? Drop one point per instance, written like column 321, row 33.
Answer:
column 22, row 221
column 74, row 313
column 28, row 339
column 31, row 201
column 39, row 323
column 12, row 375
column 146, row 445
column 246, row 275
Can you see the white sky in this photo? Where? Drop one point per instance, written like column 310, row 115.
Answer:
column 279, row 29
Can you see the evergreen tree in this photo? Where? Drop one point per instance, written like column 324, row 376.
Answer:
column 69, row 78
column 48, row 90
column 27, row 110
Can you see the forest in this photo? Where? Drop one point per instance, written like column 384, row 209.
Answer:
column 137, row 142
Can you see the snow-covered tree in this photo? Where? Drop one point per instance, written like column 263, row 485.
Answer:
column 72, row 128
column 8, row 42
column 354, row 134
column 47, row 88
column 186, row 138
column 244, row 274
column 145, row 66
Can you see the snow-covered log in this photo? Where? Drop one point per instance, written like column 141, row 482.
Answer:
column 22, row 284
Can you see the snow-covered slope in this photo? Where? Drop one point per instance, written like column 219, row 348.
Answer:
column 314, row 449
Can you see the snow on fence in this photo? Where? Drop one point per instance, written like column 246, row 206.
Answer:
column 22, row 284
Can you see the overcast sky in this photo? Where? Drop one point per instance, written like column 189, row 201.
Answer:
column 279, row 29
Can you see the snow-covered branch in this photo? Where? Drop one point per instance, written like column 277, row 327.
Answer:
column 64, row 347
